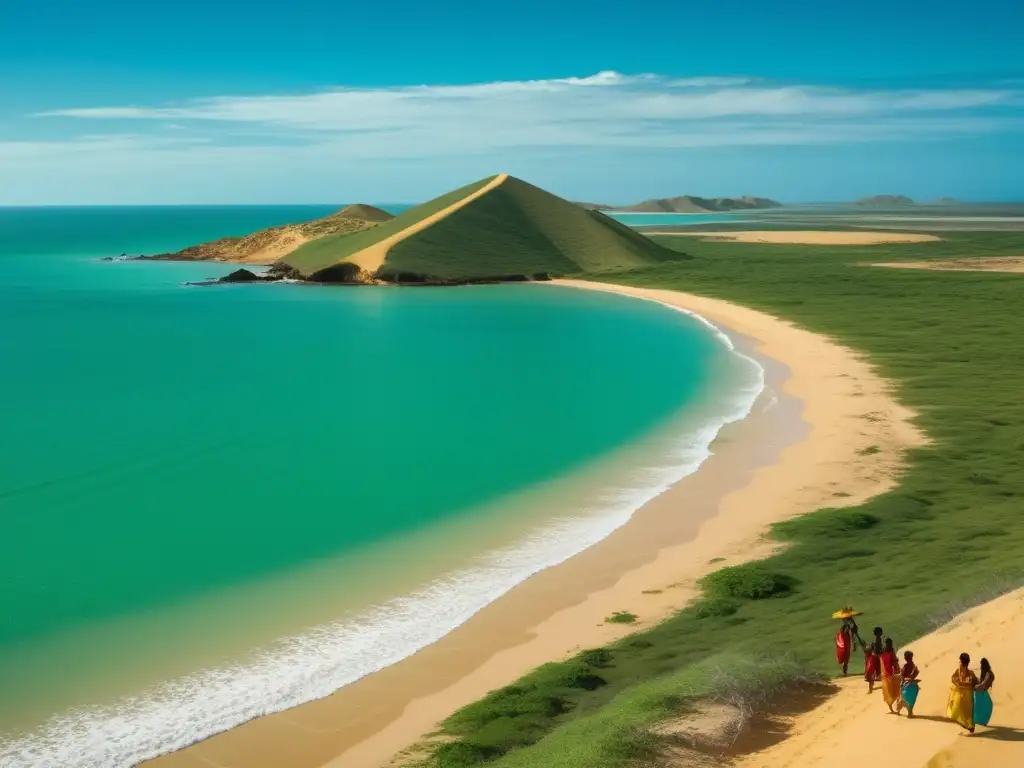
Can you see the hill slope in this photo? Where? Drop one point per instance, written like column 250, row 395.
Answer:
column 268, row 245
column 497, row 227
column 693, row 204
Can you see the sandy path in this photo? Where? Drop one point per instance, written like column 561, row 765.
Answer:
column 649, row 566
column 991, row 264
column 852, row 728
column 807, row 237
column 370, row 259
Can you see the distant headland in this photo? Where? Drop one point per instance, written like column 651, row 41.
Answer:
column 690, row 204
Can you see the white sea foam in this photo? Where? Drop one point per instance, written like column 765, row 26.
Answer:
column 315, row 664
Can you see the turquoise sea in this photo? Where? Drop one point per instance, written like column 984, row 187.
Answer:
column 219, row 501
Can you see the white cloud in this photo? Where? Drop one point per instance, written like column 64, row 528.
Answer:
column 588, row 110
column 329, row 133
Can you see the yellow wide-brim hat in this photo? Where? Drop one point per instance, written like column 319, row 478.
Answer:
column 846, row 613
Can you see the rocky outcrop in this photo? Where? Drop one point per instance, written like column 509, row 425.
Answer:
column 241, row 276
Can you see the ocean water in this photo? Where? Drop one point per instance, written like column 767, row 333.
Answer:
column 220, row 501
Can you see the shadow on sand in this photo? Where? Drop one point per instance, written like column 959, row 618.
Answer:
column 993, row 732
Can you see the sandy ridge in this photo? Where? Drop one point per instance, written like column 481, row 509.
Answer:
column 806, row 237
column 849, row 729
column 371, row 259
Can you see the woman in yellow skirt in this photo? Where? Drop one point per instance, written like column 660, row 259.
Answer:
column 960, row 707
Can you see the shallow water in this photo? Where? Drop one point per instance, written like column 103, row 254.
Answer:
column 229, row 499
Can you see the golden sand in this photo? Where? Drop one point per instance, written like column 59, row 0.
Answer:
column 852, row 728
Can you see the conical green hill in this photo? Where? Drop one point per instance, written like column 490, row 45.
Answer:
column 519, row 229
column 497, row 227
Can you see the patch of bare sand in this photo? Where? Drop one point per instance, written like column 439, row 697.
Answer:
column 981, row 264
column 712, row 518
column 370, row 259
column 837, row 734
column 807, row 237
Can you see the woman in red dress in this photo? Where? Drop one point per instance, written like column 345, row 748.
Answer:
column 844, row 645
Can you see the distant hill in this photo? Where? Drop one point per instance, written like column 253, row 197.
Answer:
column 885, row 200
column 268, row 245
column 364, row 212
column 596, row 206
column 694, row 204
column 496, row 228
column 947, row 201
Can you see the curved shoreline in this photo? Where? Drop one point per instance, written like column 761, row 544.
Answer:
column 560, row 610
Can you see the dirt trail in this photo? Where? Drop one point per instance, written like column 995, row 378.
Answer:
column 372, row 258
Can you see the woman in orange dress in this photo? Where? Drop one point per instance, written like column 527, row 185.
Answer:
column 960, row 706
column 891, row 679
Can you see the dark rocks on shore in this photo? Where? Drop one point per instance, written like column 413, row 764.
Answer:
column 282, row 271
column 241, row 276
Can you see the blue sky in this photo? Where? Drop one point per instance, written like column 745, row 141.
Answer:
column 118, row 102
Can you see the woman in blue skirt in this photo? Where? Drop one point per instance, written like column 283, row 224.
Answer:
column 982, row 697
column 909, row 687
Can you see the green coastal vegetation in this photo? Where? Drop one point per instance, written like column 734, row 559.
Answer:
column 949, row 536
column 514, row 230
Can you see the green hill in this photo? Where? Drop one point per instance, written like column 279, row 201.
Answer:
column 509, row 229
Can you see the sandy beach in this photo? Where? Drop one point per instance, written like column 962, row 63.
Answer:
column 808, row 237
column 787, row 459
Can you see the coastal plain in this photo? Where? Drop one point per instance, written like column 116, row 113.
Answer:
column 911, row 465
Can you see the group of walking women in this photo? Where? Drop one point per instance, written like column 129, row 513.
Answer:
column 970, row 700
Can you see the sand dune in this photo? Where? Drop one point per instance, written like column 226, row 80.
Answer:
column 853, row 729
column 992, row 264
column 807, row 237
